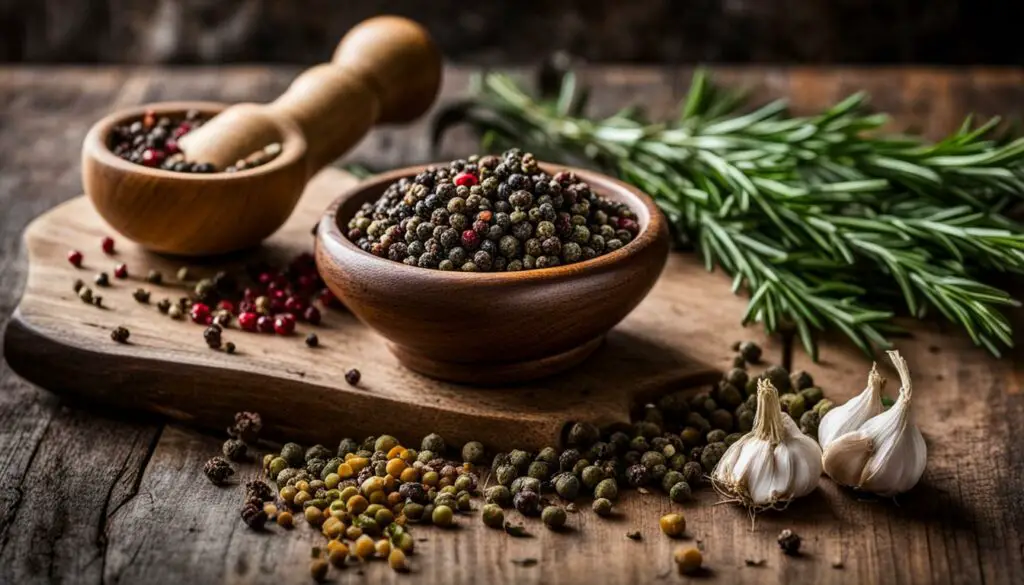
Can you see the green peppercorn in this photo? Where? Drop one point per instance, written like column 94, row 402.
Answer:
column 567, row 486
column 811, row 396
column 493, row 516
column 779, row 377
column 499, row 495
column 413, row 511
column 520, row 460
column 809, row 422
column 553, row 517
column 602, row 507
column 463, row 502
column 801, row 380
column 473, row 452
column 793, row 404
column 385, row 443
column 581, row 434
column 433, row 442
column 593, row 475
column 607, row 488
column 670, row 479
column 293, row 454
column 505, row 475
column 277, row 465
column 732, row 438
column 693, row 473
column 680, row 492
column 823, row 406
column 548, row 455
column 691, row 436
column 716, row 436
column 538, row 470
column 442, row 516
column 711, row 455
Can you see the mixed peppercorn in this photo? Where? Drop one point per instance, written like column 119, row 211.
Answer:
column 491, row 214
column 365, row 496
column 153, row 142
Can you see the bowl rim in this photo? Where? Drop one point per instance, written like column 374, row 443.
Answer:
column 293, row 143
column 652, row 230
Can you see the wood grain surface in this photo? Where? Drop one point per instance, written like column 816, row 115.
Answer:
column 103, row 496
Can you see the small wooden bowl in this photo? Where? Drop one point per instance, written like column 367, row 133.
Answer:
column 192, row 213
column 492, row 328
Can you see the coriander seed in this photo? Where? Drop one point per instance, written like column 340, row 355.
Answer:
column 673, row 525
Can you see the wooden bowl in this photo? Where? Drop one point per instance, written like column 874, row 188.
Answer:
column 192, row 213
column 492, row 328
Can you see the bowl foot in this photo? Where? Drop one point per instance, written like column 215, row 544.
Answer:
column 495, row 373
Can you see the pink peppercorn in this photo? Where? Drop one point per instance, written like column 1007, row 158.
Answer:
column 294, row 305
column 629, row 225
column 108, row 245
column 75, row 258
column 248, row 320
column 265, row 324
column 284, row 324
column 465, row 179
column 121, row 271
column 200, row 313
column 470, row 239
column 312, row 315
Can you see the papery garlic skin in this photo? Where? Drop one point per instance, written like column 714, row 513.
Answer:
column 773, row 463
column 854, row 413
column 887, row 455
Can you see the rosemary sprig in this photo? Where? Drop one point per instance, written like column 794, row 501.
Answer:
column 825, row 222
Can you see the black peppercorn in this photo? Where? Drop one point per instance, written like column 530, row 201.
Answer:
column 120, row 334
column 312, row 340
column 789, row 542
column 235, row 449
column 247, row 427
column 102, row 279
column 352, row 377
column 212, row 336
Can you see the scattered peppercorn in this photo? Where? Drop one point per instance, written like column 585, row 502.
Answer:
column 493, row 516
column 247, row 427
column 634, row 535
column 553, row 517
column 85, row 294
column 312, row 340
column 141, row 295
column 154, row 277
column 602, row 506
column 101, row 279
column 218, row 470
column 352, row 377
column 235, row 449
column 121, row 271
column 318, row 570
column 789, row 542
column 75, row 258
column 673, row 525
column 229, row 347
column 212, row 336
column 175, row 312
column 254, row 515
column 120, row 334
column 688, row 560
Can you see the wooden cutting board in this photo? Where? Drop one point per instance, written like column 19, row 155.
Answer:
column 678, row 338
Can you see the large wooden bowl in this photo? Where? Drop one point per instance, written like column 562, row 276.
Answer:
column 492, row 328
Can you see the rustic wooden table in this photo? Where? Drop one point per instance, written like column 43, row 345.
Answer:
column 97, row 497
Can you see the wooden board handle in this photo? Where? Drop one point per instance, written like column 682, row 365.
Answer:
column 386, row 69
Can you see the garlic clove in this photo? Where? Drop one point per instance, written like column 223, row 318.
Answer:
column 855, row 412
column 845, row 458
column 887, row 455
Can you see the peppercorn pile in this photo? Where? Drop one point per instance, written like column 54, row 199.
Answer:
column 491, row 214
column 153, row 142
column 365, row 495
column 265, row 299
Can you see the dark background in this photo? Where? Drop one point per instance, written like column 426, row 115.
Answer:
column 486, row 32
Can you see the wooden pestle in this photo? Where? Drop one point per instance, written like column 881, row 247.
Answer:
column 386, row 69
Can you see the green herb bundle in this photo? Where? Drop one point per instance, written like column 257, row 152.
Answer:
column 825, row 222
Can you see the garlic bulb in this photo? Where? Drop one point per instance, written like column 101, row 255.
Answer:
column 887, row 454
column 774, row 462
column 850, row 416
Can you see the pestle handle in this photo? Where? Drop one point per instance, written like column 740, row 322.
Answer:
column 386, row 69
